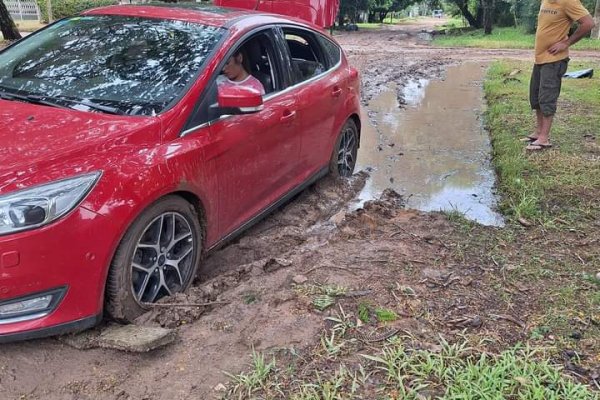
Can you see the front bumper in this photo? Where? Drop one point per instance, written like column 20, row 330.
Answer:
column 69, row 327
column 72, row 254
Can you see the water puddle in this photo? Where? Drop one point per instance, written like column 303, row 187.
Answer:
column 435, row 152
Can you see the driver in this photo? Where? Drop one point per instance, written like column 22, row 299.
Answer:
column 234, row 73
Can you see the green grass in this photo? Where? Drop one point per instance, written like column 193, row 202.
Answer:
column 501, row 38
column 398, row 371
column 557, row 185
column 557, row 191
column 363, row 312
column 245, row 384
column 385, row 315
column 452, row 23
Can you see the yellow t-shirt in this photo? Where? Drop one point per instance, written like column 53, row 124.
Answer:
column 554, row 21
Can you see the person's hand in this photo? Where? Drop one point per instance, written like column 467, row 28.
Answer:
column 559, row 47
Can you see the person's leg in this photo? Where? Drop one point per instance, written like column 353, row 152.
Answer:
column 544, row 126
column 550, row 84
column 539, row 119
column 534, row 101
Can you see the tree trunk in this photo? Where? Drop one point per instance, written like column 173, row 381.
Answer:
column 479, row 14
column 596, row 30
column 462, row 6
column 488, row 16
column 7, row 25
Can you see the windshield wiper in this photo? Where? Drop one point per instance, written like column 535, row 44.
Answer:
column 89, row 104
column 48, row 101
column 30, row 99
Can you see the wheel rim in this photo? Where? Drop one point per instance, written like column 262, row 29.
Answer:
column 163, row 258
column 347, row 153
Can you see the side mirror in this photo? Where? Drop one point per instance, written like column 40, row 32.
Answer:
column 239, row 99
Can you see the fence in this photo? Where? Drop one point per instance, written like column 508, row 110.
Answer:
column 23, row 9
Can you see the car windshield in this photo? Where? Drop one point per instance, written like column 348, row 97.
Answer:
column 127, row 65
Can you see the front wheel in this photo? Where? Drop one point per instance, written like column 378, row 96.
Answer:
column 345, row 151
column 157, row 257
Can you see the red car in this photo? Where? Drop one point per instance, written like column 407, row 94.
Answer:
column 122, row 161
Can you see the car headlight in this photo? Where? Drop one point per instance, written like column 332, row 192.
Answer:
column 40, row 205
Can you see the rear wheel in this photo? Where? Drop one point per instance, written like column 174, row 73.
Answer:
column 157, row 257
column 345, row 151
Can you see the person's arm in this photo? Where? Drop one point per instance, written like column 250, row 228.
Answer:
column 586, row 24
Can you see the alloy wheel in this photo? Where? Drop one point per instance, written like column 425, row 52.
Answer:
column 347, row 152
column 163, row 258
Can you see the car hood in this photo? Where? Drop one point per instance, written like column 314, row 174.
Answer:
column 40, row 143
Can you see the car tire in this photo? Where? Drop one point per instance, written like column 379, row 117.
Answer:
column 158, row 255
column 345, row 150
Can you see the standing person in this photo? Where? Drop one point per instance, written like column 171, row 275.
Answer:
column 551, row 59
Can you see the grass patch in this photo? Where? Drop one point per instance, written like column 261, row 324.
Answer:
column 452, row 23
column 501, row 38
column 398, row 371
column 363, row 312
column 559, row 186
column 245, row 384
column 323, row 296
column 385, row 315
column 557, row 190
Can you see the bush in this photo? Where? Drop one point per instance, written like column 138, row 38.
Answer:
column 67, row 8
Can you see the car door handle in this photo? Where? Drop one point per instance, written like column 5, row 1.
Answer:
column 288, row 116
column 337, row 91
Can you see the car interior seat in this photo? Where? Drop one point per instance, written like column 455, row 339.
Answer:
column 303, row 60
column 258, row 63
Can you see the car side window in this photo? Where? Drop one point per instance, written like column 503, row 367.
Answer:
column 259, row 60
column 307, row 56
column 332, row 51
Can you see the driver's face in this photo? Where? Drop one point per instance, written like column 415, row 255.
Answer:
column 233, row 68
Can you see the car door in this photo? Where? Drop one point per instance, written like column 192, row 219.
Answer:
column 320, row 90
column 256, row 156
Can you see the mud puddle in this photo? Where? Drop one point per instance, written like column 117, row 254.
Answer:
column 435, row 151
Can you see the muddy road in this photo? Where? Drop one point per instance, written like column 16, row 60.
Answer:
column 331, row 235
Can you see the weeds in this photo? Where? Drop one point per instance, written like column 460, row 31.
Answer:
column 385, row 315
column 245, row 384
column 324, row 295
column 363, row 312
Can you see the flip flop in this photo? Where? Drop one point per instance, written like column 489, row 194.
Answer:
column 538, row 147
column 528, row 139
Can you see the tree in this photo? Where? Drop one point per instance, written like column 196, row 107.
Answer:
column 7, row 25
column 350, row 9
column 463, row 6
column 379, row 8
column 596, row 30
column 488, row 16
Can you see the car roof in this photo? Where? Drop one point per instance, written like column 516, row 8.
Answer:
column 198, row 13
